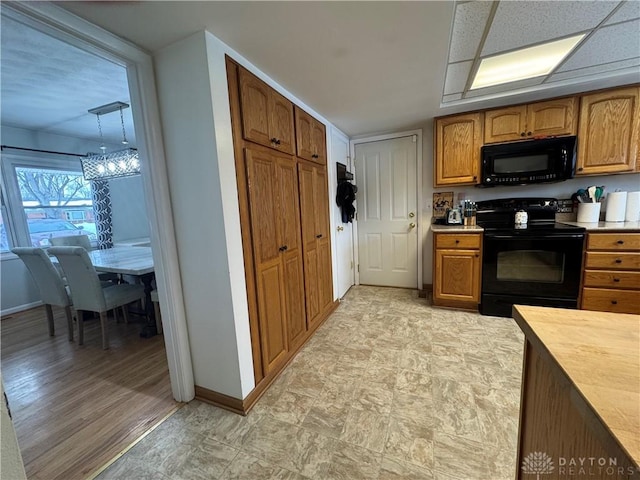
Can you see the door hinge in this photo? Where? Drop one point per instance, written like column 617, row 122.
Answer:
column 414, row 138
column 358, row 268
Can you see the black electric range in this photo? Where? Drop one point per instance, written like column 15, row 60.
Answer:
column 537, row 263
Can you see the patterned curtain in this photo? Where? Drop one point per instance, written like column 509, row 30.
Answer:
column 102, row 211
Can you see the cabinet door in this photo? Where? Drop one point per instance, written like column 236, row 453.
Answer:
column 281, row 123
column 321, row 214
column 304, row 134
column 319, row 143
column 608, row 134
column 457, row 276
column 505, row 124
column 309, row 242
column 457, row 150
column 254, row 101
column 264, row 208
column 289, row 216
column 555, row 117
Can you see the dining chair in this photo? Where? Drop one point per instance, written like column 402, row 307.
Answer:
column 87, row 292
column 49, row 283
column 72, row 241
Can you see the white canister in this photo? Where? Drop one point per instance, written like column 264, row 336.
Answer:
column 522, row 217
column 632, row 213
column 616, row 206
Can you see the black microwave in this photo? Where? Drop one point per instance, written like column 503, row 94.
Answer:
column 533, row 161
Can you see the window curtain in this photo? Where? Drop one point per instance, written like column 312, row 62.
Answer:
column 102, row 212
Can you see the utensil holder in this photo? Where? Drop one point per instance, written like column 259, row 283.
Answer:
column 589, row 212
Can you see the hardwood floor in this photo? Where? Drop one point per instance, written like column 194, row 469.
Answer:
column 76, row 407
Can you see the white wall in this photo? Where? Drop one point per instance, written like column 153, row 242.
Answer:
column 624, row 182
column 194, row 105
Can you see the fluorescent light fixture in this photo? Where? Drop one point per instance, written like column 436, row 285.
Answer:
column 528, row 62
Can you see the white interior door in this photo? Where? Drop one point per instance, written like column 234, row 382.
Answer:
column 386, row 173
column 345, row 268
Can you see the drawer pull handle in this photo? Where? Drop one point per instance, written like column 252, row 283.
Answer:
column 618, row 260
column 620, row 242
column 319, row 235
column 283, row 248
column 616, row 279
column 457, row 241
column 614, row 302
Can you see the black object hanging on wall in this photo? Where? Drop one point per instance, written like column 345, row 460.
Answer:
column 345, row 193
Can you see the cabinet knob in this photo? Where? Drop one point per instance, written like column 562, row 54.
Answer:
column 283, row 248
column 618, row 260
column 528, row 134
column 620, row 242
column 278, row 142
column 319, row 235
column 580, row 169
column 522, row 134
column 614, row 302
column 315, row 155
column 457, row 241
column 274, row 140
column 616, row 279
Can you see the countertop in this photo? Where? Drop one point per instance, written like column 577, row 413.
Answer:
column 599, row 354
column 607, row 226
column 456, row 228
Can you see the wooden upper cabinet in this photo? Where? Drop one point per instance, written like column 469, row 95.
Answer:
column 267, row 116
column 553, row 117
column 458, row 140
column 608, row 137
column 310, row 138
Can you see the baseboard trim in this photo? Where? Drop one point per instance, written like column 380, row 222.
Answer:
column 242, row 407
column 427, row 289
column 20, row 308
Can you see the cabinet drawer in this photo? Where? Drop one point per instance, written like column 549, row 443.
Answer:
column 455, row 240
column 612, row 279
column 613, row 241
column 613, row 261
column 611, row 300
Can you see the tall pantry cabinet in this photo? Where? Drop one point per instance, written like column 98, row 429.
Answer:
column 284, row 215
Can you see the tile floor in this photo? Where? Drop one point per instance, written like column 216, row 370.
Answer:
column 387, row 388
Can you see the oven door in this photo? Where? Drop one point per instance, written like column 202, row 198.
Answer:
column 539, row 265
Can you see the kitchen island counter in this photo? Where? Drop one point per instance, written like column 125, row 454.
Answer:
column 456, row 228
column 580, row 392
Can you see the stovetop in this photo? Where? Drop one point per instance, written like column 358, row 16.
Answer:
column 499, row 216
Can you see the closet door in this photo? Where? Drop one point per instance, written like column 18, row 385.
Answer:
column 323, row 241
column 262, row 176
column 289, row 216
column 309, row 243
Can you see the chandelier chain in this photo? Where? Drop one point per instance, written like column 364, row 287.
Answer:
column 102, row 146
column 124, row 134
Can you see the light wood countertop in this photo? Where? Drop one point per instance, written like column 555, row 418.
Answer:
column 600, row 355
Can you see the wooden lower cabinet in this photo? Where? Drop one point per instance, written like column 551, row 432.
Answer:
column 275, row 227
column 315, row 240
column 611, row 277
column 457, row 270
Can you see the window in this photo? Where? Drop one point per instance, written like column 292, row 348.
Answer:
column 45, row 198
column 6, row 240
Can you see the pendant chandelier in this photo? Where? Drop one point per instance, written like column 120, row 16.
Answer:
column 121, row 163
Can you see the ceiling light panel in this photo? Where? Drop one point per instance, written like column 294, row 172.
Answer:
column 519, row 24
column 468, row 27
column 606, row 45
column 513, row 88
column 522, row 64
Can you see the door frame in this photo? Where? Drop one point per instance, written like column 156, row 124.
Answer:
column 390, row 136
column 64, row 26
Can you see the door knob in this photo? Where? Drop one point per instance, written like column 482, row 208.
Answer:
column 411, row 214
column 340, row 228
column 412, row 225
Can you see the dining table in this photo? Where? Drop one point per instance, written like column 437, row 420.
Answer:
column 135, row 261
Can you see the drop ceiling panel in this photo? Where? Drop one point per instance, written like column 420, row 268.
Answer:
column 518, row 24
column 628, row 11
column 613, row 68
column 457, row 75
column 606, row 45
column 470, row 20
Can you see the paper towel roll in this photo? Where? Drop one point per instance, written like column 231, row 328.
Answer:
column 616, row 206
column 633, row 207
